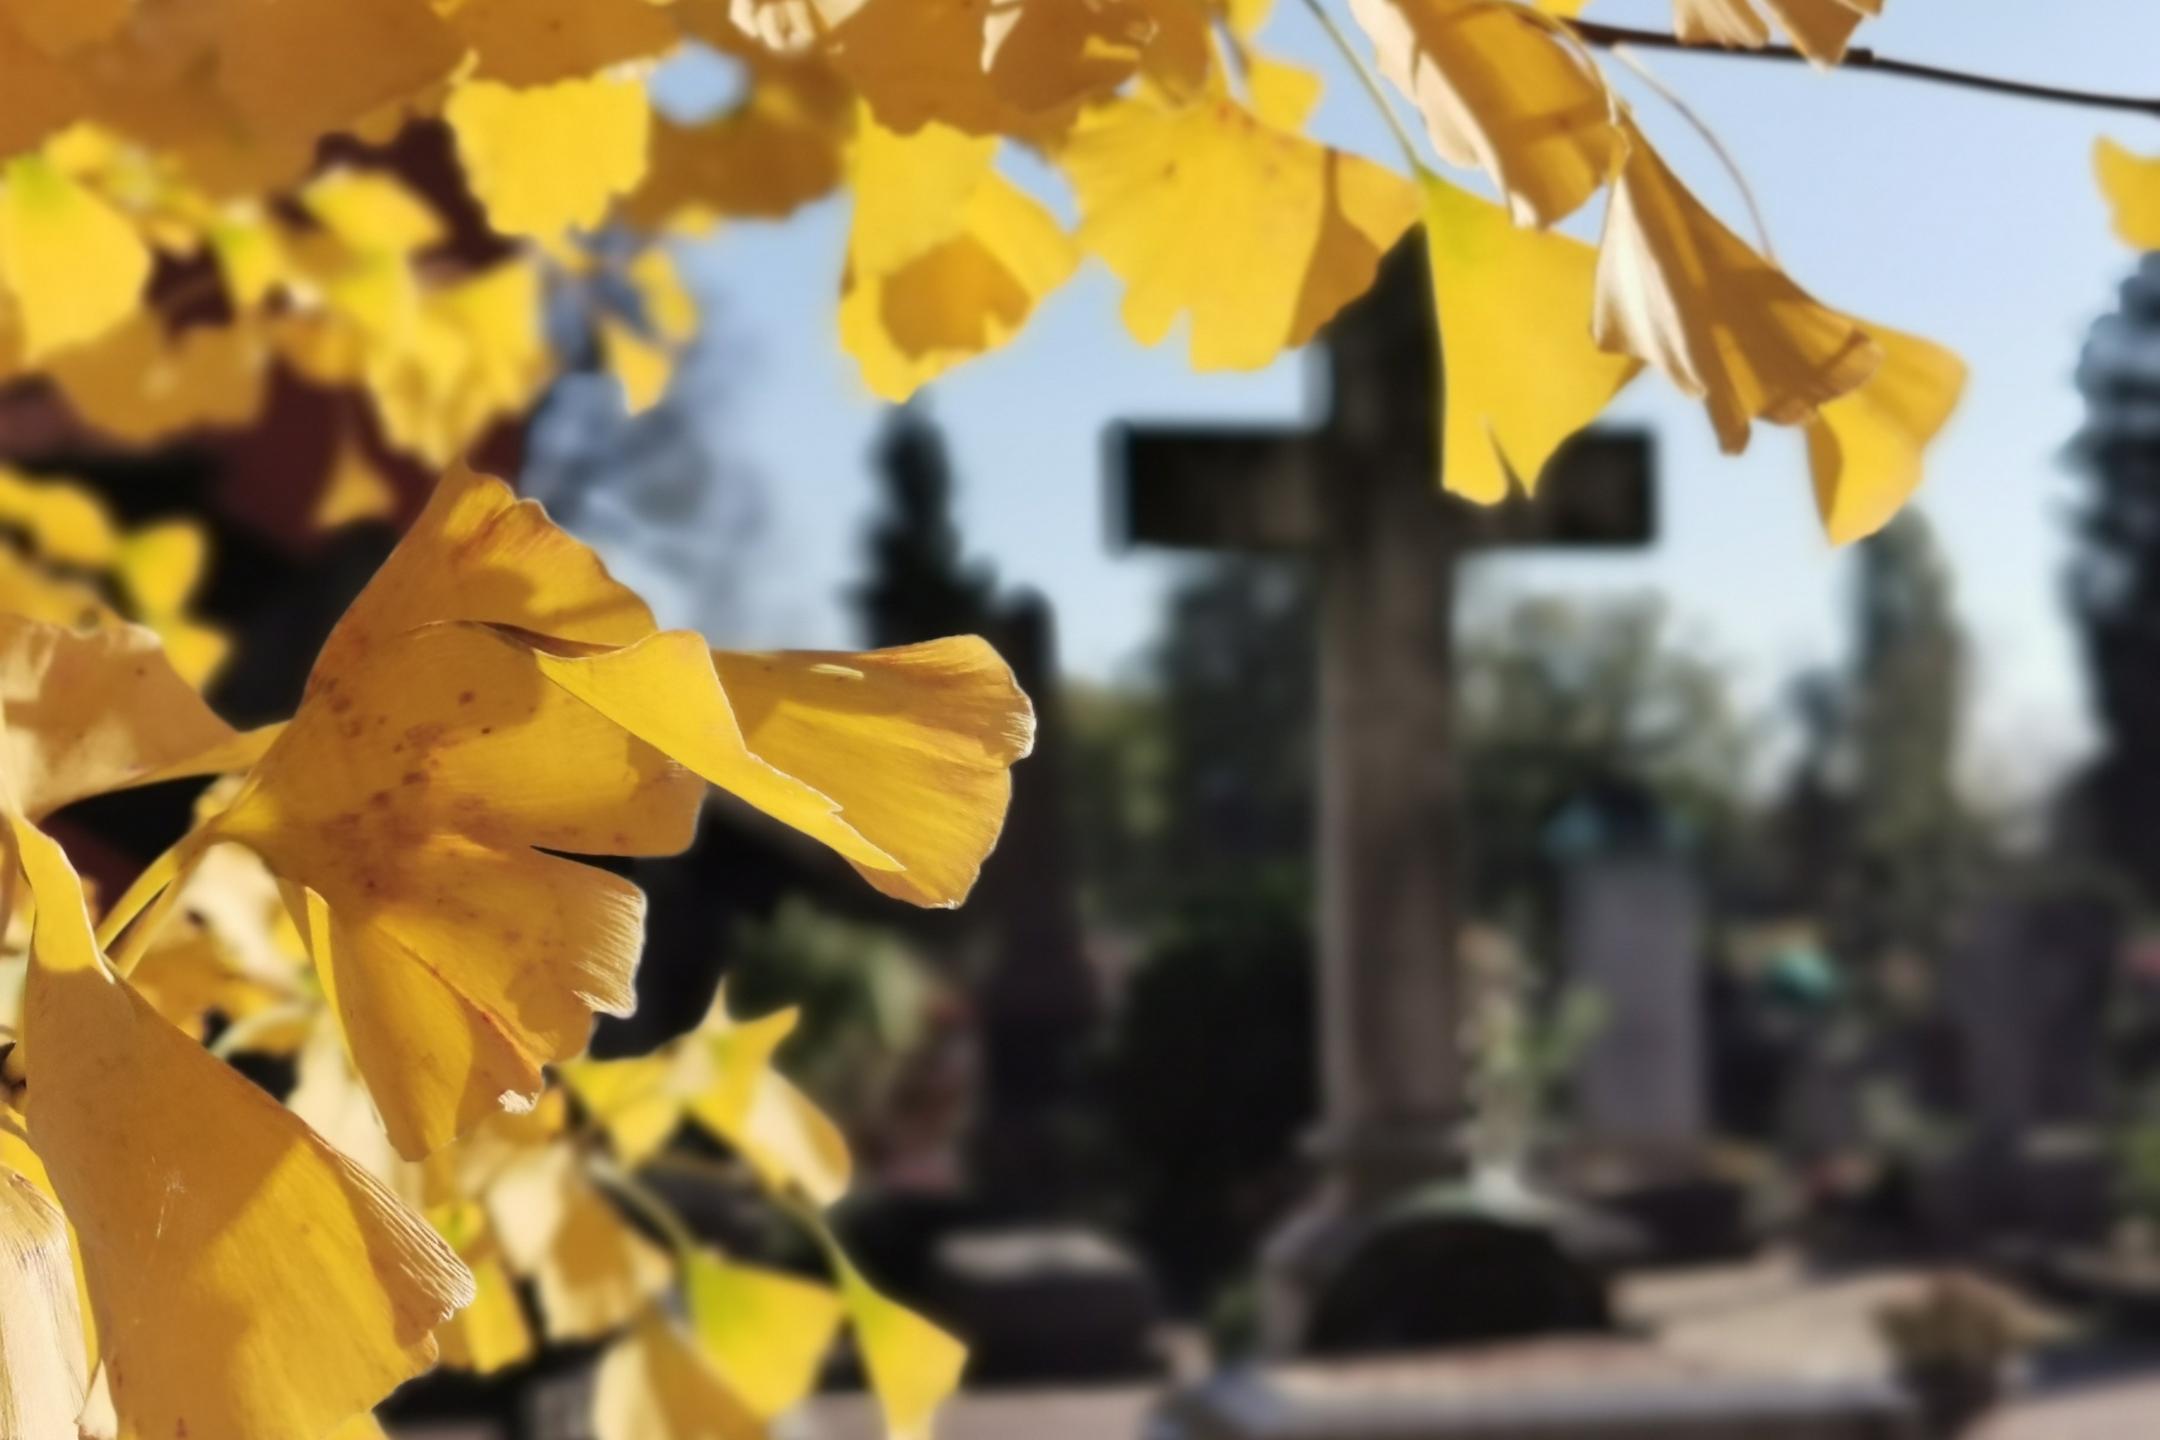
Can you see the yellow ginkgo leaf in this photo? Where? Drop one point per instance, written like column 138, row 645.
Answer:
column 409, row 804
column 1865, row 449
column 42, row 1379
column 1503, row 92
column 250, row 256
column 1519, row 371
column 73, row 264
column 721, row 1075
column 60, row 26
column 361, row 1427
column 477, row 552
column 158, row 568
column 298, row 69
column 406, row 796
column 328, row 1094
column 372, row 211
column 94, row 711
column 490, row 1334
column 946, row 259
column 915, row 62
column 188, row 972
column 1678, row 290
column 592, row 1270
column 63, row 521
column 782, row 1136
column 138, row 384
column 640, row 366
column 1366, row 211
column 655, row 1385
column 913, row 1365
column 221, row 1239
column 2132, row 186
column 161, row 565
column 764, row 1331
column 1819, row 29
column 1041, row 54
column 915, row 744
column 537, row 42
column 355, row 489
column 635, row 1100
column 664, row 301
column 778, row 149
column 454, row 358
column 1203, row 209
column 45, row 93
column 548, row 161
column 665, row 691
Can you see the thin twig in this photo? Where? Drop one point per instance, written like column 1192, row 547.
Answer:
column 1861, row 58
column 1372, row 85
column 647, row 1202
column 1625, row 54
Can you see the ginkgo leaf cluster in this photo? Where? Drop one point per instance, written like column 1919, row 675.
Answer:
column 380, row 888
column 988, row 149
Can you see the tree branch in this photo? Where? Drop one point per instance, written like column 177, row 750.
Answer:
column 1860, row 58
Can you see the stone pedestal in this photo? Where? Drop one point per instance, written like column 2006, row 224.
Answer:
column 1559, row 1390
column 1362, row 496
column 1046, row 1303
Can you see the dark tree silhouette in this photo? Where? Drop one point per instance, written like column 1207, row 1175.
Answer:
column 2114, row 580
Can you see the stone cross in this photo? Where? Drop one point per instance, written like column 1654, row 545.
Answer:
column 1361, row 493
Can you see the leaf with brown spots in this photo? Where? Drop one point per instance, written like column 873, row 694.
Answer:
column 494, row 695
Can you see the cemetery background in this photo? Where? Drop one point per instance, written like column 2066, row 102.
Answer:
column 1800, row 1076
column 1795, row 1082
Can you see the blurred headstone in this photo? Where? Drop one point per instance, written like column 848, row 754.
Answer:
column 1632, row 934
column 2028, row 992
column 1632, row 940
column 1045, row 1303
column 1361, row 493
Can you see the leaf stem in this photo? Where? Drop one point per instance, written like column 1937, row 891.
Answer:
column 241, row 1034
column 157, row 879
column 1862, row 58
column 1626, row 56
column 1371, row 82
column 648, row 1204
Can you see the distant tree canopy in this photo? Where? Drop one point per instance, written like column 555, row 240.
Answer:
column 2114, row 578
column 921, row 584
column 1562, row 698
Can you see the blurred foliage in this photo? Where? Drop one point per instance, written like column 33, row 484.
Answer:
column 1522, row 1052
column 1212, row 1076
column 1562, row 699
column 1871, row 833
column 2113, row 583
column 921, row 582
column 865, row 997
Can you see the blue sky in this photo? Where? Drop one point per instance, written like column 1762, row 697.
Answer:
column 1969, row 218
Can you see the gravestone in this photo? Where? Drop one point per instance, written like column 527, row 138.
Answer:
column 1631, row 930
column 1632, row 935
column 1361, row 494
column 2028, row 991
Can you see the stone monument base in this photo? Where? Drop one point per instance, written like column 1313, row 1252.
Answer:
column 1044, row 1303
column 1562, row 1389
column 1448, row 1263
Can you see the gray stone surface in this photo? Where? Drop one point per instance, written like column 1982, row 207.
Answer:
column 1609, row 1389
column 1632, row 936
column 1361, row 493
column 1047, row 1303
